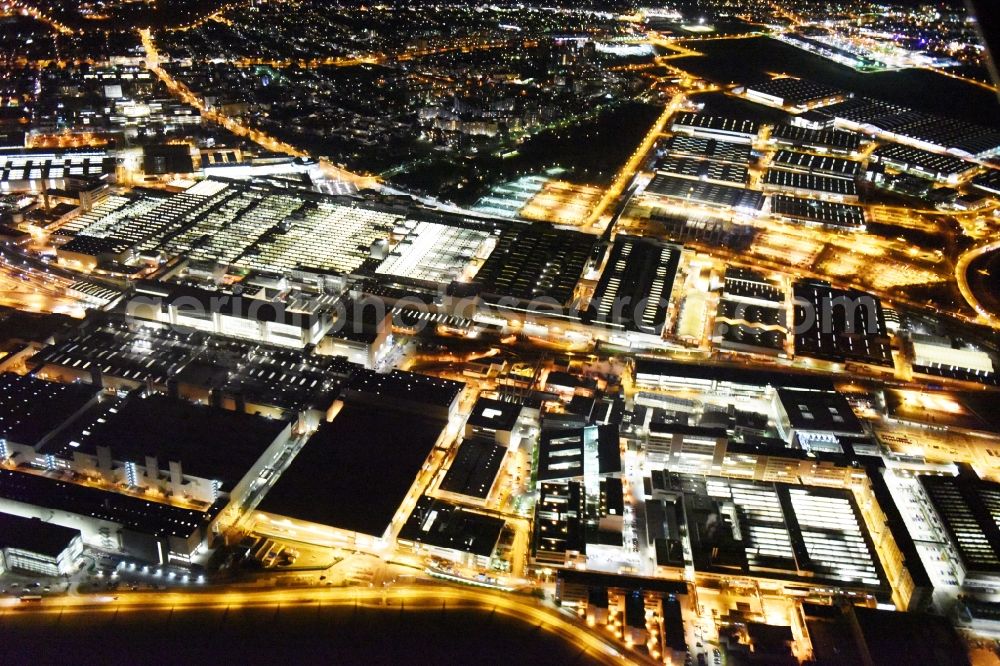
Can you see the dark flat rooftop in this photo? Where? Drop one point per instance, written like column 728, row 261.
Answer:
column 846, row 325
column 355, row 471
column 208, row 442
column 64, row 442
column 438, row 523
column 795, row 180
column 747, row 283
column 819, row 411
column 822, row 164
column 405, row 386
column 989, row 181
column 496, row 414
column 135, row 513
column 474, row 469
column 609, row 455
column 607, row 580
column 93, row 246
column 925, row 160
column 909, row 639
column 34, row 536
column 702, row 169
column 107, row 346
column 33, row 326
column 733, row 374
column 33, row 408
column 720, row 151
column 715, row 123
column 558, row 524
column 822, row 212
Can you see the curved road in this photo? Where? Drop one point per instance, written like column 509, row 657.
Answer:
column 962, row 279
column 525, row 609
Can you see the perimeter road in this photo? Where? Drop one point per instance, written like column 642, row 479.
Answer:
column 962, row 280
column 424, row 596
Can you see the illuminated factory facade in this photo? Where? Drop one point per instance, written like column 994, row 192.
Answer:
column 69, row 449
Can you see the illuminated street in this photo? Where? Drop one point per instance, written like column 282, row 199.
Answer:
column 412, row 598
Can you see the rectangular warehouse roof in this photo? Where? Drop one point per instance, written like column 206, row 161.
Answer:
column 781, row 530
column 33, row 409
column 34, row 536
column 840, row 325
column 435, row 522
column 134, row 513
column 536, row 261
column 713, row 149
column 813, row 211
column 635, row 287
column 474, row 469
column 700, row 123
column 812, row 138
column 970, row 510
column 781, row 179
column 709, row 194
column 210, row 443
column 821, row 164
column 355, row 471
column 795, row 92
